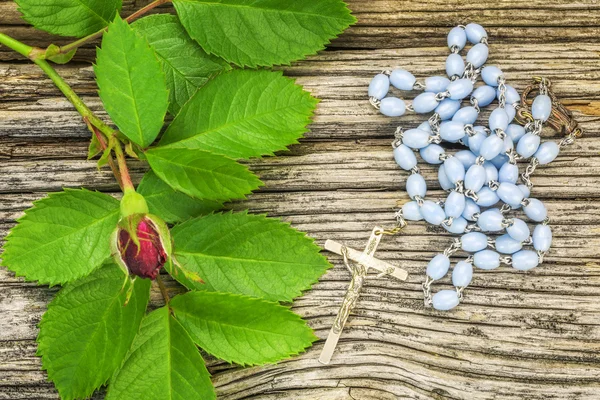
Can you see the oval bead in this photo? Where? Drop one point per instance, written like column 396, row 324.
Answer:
column 402, row 79
column 454, row 204
column 432, row 212
column 460, row 88
column 445, row 183
column 525, row 190
column 478, row 55
column 518, row 230
column 436, row 84
column 512, row 96
column 515, row 132
column 525, row 260
column 458, row 225
column 445, row 300
column 379, row 86
column 541, row 107
column 455, row 170
column 500, row 159
column 476, row 141
column 486, row 259
column 542, row 237
column 484, row 95
column 425, row 102
column 462, row 274
column 447, row 108
column 510, row 194
column 392, row 107
column 424, row 126
column 415, row 138
column 490, row 75
column 491, row 147
column 457, row 37
column 438, row 267
column 505, row 244
column 475, row 33
column 528, row 145
column 510, row 111
column 416, row 186
column 455, row 65
column 491, row 220
column 547, row 152
column 487, row 197
column 452, row 131
column 491, row 172
column 475, row 178
column 466, row 115
column 508, row 173
column 411, row 211
column 535, row 210
column 473, row 242
column 431, row 154
column 405, row 157
column 498, row 120
column 508, row 145
column 466, row 157
column 470, row 208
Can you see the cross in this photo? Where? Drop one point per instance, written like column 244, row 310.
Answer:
column 363, row 261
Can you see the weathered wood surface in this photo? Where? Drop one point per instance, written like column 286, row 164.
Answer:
column 530, row 335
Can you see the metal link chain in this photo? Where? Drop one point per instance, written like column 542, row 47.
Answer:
column 502, row 91
column 525, row 176
column 375, row 102
column 454, row 247
column 427, row 291
column 419, row 85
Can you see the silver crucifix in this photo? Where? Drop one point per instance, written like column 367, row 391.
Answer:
column 359, row 269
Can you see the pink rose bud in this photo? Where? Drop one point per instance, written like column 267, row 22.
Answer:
column 146, row 259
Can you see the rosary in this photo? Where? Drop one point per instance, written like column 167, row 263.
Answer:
column 479, row 178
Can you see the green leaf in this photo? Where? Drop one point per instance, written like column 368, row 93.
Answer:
column 240, row 329
column 69, row 17
column 171, row 205
column 186, row 65
column 53, row 54
column 62, row 237
column 247, row 254
column 163, row 363
column 263, row 32
column 202, row 174
column 87, row 330
column 243, row 114
column 132, row 83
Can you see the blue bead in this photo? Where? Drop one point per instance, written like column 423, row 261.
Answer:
column 541, row 107
column 454, row 204
column 466, row 115
column 508, row 173
column 425, row 102
column 476, row 141
column 510, row 111
column 547, row 152
column 458, row 225
column 490, row 75
column 487, row 197
column 445, row 183
column 447, row 108
column 445, row 300
column 508, row 145
column 462, row 274
column 457, row 37
column 525, row 260
column 491, row 220
column 498, row 120
column 515, row 132
column 415, row 138
column 478, row 55
column 455, row 65
column 431, row 154
column 542, row 237
column 424, row 126
column 432, row 212
column 460, row 88
column 436, row 84
column 438, row 267
column 455, row 170
column 402, row 79
column 452, row 131
column 379, row 86
column 525, row 190
column 491, row 172
column 528, row 145
column 491, row 147
column 512, row 96
column 392, row 107
column 536, row 210
column 475, row 33
column 499, row 160
column 486, row 259
column 475, row 178
column 507, row 245
column 405, row 157
column 416, row 186
column 518, row 230
column 510, row 194
column 412, row 211
column 484, row 95
column 466, row 157
column 470, row 209
column 473, row 241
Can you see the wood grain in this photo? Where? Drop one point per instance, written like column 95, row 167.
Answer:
column 517, row 335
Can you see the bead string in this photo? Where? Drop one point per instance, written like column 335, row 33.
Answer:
column 478, row 178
